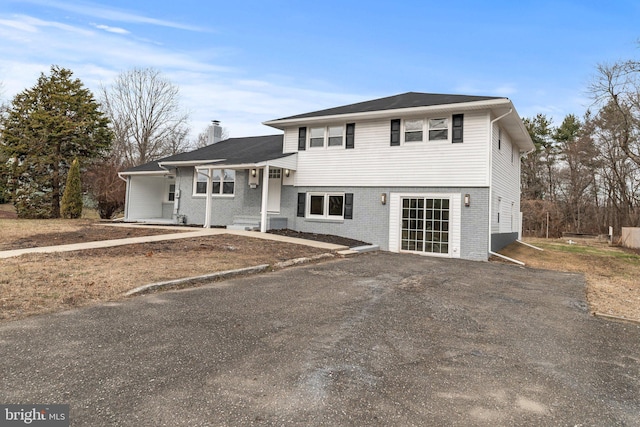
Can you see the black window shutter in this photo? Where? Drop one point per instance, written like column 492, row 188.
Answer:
column 351, row 133
column 302, row 138
column 348, row 206
column 302, row 197
column 458, row 124
column 395, row 132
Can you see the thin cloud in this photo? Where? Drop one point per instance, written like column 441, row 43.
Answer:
column 32, row 25
column 98, row 11
column 116, row 30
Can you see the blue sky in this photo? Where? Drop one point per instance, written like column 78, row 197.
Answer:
column 245, row 62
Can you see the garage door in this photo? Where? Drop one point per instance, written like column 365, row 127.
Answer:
column 425, row 223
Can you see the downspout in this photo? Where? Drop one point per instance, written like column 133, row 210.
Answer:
column 491, row 174
column 523, row 155
column 176, row 197
column 127, row 194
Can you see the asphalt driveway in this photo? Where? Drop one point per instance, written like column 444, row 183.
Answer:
column 379, row 339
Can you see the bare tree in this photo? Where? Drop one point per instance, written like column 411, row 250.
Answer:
column 619, row 176
column 148, row 121
column 617, row 86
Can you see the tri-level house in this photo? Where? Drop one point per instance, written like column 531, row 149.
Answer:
column 417, row 172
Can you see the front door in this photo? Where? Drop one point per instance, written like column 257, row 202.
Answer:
column 275, row 188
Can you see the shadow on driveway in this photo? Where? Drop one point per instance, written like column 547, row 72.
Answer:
column 379, row 339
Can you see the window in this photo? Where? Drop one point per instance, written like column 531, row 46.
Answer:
column 171, row 195
column 438, row 129
column 316, row 137
column 413, row 130
column 334, row 137
column 499, row 138
column 223, row 182
column 275, row 173
column 329, row 206
column 325, row 205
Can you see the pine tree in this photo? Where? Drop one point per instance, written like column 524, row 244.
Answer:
column 72, row 196
column 46, row 126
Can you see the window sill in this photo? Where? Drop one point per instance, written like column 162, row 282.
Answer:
column 328, row 220
column 214, row 196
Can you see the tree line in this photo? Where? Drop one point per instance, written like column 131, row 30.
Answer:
column 584, row 174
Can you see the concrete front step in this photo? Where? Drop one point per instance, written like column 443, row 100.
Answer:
column 245, row 222
column 245, row 227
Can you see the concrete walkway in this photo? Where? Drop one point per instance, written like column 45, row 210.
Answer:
column 203, row 232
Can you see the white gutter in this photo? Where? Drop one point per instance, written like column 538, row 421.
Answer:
column 491, row 172
column 473, row 105
column 189, row 162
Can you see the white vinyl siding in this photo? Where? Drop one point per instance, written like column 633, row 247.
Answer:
column 506, row 183
column 373, row 162
column 145, row 196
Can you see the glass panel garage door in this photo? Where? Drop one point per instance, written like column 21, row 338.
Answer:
column 425, row 225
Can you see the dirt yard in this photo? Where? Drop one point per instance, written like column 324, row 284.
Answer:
column 39, row 283
column 612, row 273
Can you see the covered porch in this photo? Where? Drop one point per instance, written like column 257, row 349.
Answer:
column 151, row 197
column 268, row 176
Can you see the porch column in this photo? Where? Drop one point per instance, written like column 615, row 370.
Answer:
column 208, row 200
column 265, row 198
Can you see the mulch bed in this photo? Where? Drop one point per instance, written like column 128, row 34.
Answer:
column 326, row 238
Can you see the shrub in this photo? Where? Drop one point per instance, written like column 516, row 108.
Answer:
column 71, row 206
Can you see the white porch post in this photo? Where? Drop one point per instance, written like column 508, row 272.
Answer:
column 208, row 198
column 265, row 198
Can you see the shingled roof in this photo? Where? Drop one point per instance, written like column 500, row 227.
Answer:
column 248, row 150
column 404, row 100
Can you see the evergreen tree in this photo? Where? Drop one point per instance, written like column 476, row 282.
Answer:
column 46, row 126
column 72, row 196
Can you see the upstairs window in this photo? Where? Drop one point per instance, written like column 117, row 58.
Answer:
column 323, row 137
column 413, row 130
column 335, row 136
column 438, row 129
column 316, row 137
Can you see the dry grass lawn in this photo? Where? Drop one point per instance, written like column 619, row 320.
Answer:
column 39, row 283
column 612, row 273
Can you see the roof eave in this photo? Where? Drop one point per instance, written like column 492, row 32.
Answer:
column 183, row 163
column 460, row 106
column 146, row 173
